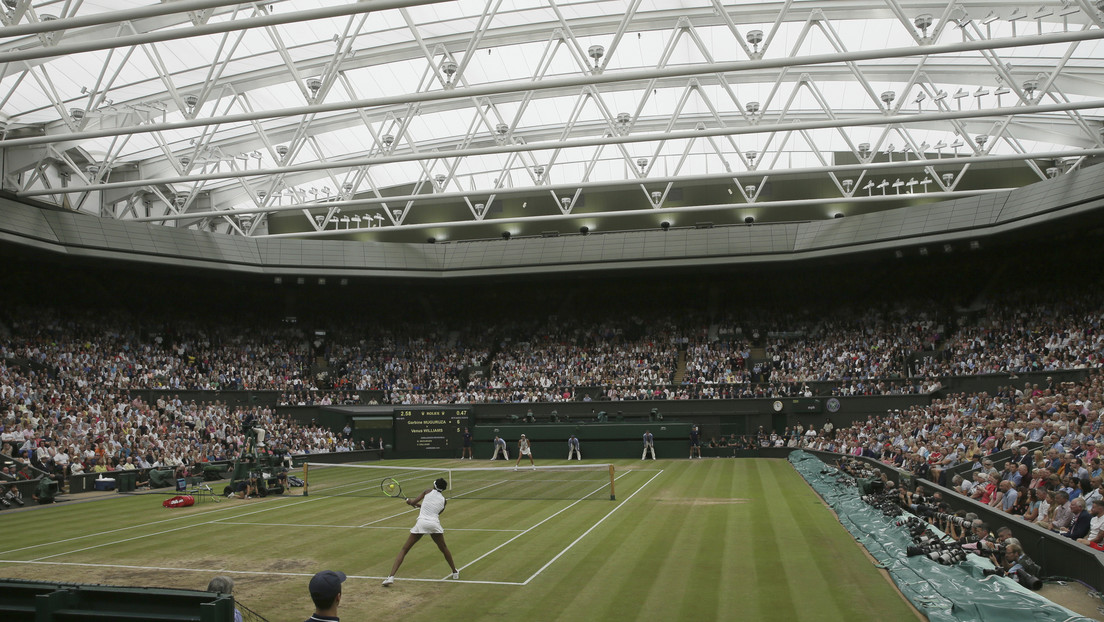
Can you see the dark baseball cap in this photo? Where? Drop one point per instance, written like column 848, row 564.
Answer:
column 326, row 584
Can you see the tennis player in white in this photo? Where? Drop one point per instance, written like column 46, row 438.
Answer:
column 524, row 450
column 432, row 503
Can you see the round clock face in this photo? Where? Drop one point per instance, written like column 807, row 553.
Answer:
column 777, row 405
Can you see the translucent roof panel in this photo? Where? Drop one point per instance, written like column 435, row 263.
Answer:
column 297, row 102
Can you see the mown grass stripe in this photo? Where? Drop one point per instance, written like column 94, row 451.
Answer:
column 677, row 551
column 772, row 595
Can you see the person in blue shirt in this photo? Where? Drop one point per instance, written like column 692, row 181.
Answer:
column 649, row 445
column 573, row 448
column 500, row 446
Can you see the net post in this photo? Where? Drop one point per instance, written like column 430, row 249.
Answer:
column 306, row 478
column 612, row 497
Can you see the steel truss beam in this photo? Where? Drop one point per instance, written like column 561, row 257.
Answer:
column 551, row 218
column 902, row 119
column 353, row 8
column 872, row 168
column 113, row 17
column 578, row 81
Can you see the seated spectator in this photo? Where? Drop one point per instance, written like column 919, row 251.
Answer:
column 13, row 497
column 1095, row 536
column 224, row 585
column 1063, row 514
column 1036, row 506
column 1079, row 526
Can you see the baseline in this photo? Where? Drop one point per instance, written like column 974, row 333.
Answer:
column 248, row 572
column 286, row 525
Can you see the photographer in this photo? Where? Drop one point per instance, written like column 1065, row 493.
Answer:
column 1017, row 565
column 962, row 531
column 986, row 543
column 950, row 524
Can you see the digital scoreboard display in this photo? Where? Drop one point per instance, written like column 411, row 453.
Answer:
column 438, row 430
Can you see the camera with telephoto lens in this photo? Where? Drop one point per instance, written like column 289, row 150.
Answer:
column 1021, row 576
column 960, row 521
column 944, row 553
column 885, row 501
column 924, row 510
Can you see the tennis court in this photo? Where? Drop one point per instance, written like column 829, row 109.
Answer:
column 708, row 539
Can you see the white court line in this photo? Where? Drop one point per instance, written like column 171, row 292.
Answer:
column 146, row 524
column 252, row 572
column 217, row 520
column 226, row 522
column 380, row 520
column 592, row 527
column 295, row 574
column 541, row 523
column 127, row 528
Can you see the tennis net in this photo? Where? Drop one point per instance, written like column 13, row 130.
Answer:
column 584, row 481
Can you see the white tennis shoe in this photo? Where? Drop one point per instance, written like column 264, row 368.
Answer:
column 389, row 581
column 455, row 575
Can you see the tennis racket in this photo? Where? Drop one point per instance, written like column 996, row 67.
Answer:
column 391, row 487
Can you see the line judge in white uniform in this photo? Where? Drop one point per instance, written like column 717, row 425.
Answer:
column 432, row 503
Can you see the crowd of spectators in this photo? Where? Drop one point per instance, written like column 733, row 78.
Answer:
column 1024, row 335
column 67, row 424
column 69, row 383
column 1054, row 484
column 872, row 351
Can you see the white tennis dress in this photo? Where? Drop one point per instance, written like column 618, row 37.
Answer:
column 429, row 517
column 523, row 447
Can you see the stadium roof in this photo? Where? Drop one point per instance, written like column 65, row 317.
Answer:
column 394, row 120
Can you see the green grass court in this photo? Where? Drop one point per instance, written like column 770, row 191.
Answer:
column 685, row 540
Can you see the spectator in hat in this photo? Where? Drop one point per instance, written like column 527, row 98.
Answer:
column 325, row 591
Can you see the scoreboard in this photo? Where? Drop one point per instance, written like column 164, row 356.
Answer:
column 436, row 430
